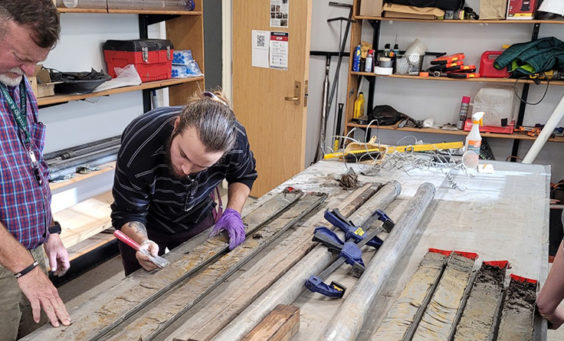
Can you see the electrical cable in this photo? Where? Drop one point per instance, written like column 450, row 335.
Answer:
column 530, row 103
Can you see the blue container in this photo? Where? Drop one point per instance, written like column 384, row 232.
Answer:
column 356, row 59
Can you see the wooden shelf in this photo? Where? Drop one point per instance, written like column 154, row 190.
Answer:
column 85, row 219
column 362, row 17
column 514, row 136
column 148, row 85
column 127, row 11
column 90, row 244
column 152, row 11
column 104, row 168
column 481, row 79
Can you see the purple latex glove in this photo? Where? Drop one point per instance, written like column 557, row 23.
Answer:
column 231, row 222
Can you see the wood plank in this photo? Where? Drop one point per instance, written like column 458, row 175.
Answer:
column 447, row 79
column 452, row 21
column 108, row 309
column 280, row 325
column 103, row 168
column 154, row 11
column 85, row 219
column 143, row 86
column 346, row 323
column 514, row 136
column 90, row 244
column 228, row 306
column 146, row 326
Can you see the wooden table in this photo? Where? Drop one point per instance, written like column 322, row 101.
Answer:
column 500, row 216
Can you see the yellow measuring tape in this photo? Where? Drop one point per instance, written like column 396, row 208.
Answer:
column 401, row 149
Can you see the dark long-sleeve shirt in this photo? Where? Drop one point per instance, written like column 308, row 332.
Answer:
column 145, row 189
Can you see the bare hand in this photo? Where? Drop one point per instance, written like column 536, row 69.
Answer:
column 57, row 255
column 151, row 247
column 41, row 293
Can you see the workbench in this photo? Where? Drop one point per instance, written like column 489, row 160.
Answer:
column 499, row 216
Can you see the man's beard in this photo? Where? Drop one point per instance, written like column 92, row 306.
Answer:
column 169, row 161
column 9, row 81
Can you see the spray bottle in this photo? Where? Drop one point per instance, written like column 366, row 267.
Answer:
column 473, row 139
column 356, row 59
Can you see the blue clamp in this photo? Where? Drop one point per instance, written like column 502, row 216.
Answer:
column 333, row 290
column 352, row 254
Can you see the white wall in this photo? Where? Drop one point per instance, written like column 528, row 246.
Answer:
column 437, row 99
column 79, row 122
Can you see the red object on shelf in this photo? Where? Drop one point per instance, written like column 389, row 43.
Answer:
column 152, row 58
column 487, row 68
column 508, row 129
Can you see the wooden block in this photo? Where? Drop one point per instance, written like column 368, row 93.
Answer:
column 371, row 7
column 281, row 324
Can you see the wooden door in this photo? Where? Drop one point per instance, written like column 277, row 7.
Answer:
column 272, row 103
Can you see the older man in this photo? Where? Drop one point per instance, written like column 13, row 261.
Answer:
column 28, row 30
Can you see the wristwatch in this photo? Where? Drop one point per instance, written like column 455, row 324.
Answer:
column 55, row 228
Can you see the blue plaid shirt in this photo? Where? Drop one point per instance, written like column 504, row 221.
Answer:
column 25, row 206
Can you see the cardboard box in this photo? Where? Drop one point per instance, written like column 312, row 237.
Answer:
column 521, row 9
column 372, row 8
column 493, row 9
column 41, row 82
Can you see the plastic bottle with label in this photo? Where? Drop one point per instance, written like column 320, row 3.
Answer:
column 369, row 61
column 473, row 139
column 356, row 59
column 463, row 113
column 359, row 106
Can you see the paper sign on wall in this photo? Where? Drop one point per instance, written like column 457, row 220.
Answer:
column 279, row 50
column 279, row 13
column 260, row 48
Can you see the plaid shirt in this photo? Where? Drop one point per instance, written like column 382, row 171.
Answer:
column 25, row 206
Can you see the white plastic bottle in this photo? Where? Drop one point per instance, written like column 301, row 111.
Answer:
column 473, row 139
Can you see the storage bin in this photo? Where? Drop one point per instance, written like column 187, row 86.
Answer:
column 152, row 58
column 497, row 103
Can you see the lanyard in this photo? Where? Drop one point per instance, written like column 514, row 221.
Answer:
column 20, row 114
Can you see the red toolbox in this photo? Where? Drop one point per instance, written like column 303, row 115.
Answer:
column 151, row 57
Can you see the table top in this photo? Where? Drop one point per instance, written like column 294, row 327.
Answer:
column 500, row 216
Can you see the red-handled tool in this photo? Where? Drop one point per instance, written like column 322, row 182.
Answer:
column 157, row 260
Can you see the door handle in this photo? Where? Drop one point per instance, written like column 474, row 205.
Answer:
column 293, row 99
column 297, row 93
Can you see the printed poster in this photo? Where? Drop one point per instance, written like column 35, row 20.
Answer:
column 279, row 50
column 279, row 13
column 260, row 48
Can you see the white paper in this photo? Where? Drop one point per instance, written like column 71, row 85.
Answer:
column 260, row 48
column 126, row 76
column 279, row 13
column 279, row 50
column 552, row 6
